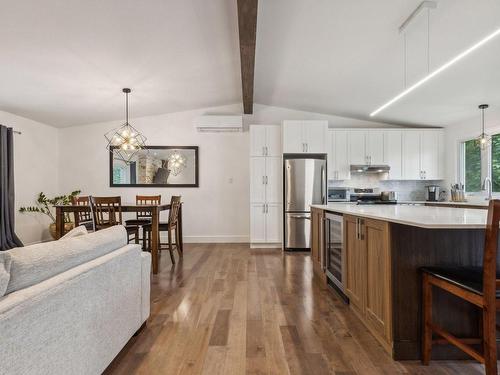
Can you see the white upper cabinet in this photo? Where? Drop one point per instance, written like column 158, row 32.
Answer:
column 304, row 136
column 423, row 154
column 293, row 140
column 265, row 140
column 357, row 147
column 338, row 155
column 366, row 146
column 393, row 153
column 429, row 155
column 315, row 136
column 375, row 147
column 273, row 140
column 411, row 155
column 257, row 140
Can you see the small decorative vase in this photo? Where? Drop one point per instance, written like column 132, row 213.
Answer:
column 67, row 228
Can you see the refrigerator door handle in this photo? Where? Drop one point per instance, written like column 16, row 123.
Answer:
column 299, row 217
column 323, row 183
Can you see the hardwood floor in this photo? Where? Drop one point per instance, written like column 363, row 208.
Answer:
column 226, row 309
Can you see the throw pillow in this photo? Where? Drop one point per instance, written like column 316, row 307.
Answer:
column 5, row 262
column 75, row 232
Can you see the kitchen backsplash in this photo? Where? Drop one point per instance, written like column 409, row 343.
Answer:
column 407, row 190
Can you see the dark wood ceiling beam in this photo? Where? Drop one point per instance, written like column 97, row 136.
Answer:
column 247, row 25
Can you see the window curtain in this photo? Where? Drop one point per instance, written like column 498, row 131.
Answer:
column 8, row 238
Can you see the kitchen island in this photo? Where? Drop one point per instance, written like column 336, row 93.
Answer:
column 384, row 247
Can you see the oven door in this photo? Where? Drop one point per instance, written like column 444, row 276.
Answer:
column 334, row 249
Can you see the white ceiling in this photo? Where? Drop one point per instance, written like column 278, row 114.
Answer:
column 64, row 62
column 346, row 57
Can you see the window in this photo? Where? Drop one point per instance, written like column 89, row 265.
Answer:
column 477, row 164
column 472, row 166
column 495, row 162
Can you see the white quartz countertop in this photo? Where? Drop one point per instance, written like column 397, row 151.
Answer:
column 418, row 216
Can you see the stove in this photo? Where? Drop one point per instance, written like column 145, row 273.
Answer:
column 368, row 196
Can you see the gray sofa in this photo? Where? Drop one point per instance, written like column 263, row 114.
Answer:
column 70, row 306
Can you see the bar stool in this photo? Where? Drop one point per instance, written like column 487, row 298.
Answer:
column 84, row 218
column 169, row 227
column 143, row 217
column 476, row 285
column 108, row 212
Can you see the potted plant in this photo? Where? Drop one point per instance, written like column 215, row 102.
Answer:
column 44, row 205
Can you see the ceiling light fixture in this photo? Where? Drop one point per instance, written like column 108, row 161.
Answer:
column 484, row 139
column 176, row 163
column 125, row 141
column 437, row 71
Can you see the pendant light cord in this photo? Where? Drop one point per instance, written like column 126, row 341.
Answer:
column 126, row 107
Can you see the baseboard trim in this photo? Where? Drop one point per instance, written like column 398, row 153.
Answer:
column 266, row 245
column 216, row 239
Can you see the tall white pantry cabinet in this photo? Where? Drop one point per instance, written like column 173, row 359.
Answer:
column 265, row 185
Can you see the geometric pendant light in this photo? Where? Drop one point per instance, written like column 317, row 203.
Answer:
column 176, row 163
column 125, row 140
column 484, row 139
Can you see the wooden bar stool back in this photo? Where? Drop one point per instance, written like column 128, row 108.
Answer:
column 108, row 212
column 144, row 217
column 83, row 217
column 171, row 227
column 473, row 284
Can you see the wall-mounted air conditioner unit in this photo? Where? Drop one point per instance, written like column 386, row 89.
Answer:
column 219, row 123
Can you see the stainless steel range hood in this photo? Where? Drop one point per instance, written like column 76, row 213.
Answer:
column 362, row 168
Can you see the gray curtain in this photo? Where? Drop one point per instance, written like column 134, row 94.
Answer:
column 8, row 238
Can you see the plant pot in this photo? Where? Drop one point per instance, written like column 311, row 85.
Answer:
column 67, row 228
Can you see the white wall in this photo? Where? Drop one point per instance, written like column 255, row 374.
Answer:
column 36, row 169
column 58, row 161
column 216, row 211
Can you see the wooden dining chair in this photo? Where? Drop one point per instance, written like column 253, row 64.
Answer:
column 143, row 217
column 171, row 227
column 476, row 285
column 108, row 212
column 84, row 218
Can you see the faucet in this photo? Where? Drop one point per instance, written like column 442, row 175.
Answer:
column 488, row 187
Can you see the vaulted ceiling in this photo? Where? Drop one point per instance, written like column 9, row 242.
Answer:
column 64, row 62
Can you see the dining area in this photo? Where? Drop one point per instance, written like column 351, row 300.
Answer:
column 142, row 221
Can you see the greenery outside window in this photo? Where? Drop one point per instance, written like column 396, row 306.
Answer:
column 472, row 166
column 476, row 165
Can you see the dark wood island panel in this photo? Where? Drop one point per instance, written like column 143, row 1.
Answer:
column 412, row 248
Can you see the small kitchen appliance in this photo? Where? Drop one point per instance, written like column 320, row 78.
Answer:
column 338, row 194
column 432, row 193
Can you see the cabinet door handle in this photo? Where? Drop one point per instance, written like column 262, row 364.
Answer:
column 263, row 150
column 263, row 180
column 266, row 180
column 267, row 208
column 361, row 222
column 264, row 208
column 267, row 151
column 307, row 147
column 357, row 228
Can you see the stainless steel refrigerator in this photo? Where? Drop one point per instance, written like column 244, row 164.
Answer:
column 304, row 184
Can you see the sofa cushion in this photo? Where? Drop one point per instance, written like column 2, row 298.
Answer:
column 75, row 232
column 33, row 264
column 5, row 262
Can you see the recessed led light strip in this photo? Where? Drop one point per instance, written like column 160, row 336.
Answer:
column 437, row 71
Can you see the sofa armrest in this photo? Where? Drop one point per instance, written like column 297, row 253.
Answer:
column 146, row 285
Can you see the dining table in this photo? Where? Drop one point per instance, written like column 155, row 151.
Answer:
column 154, row 209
